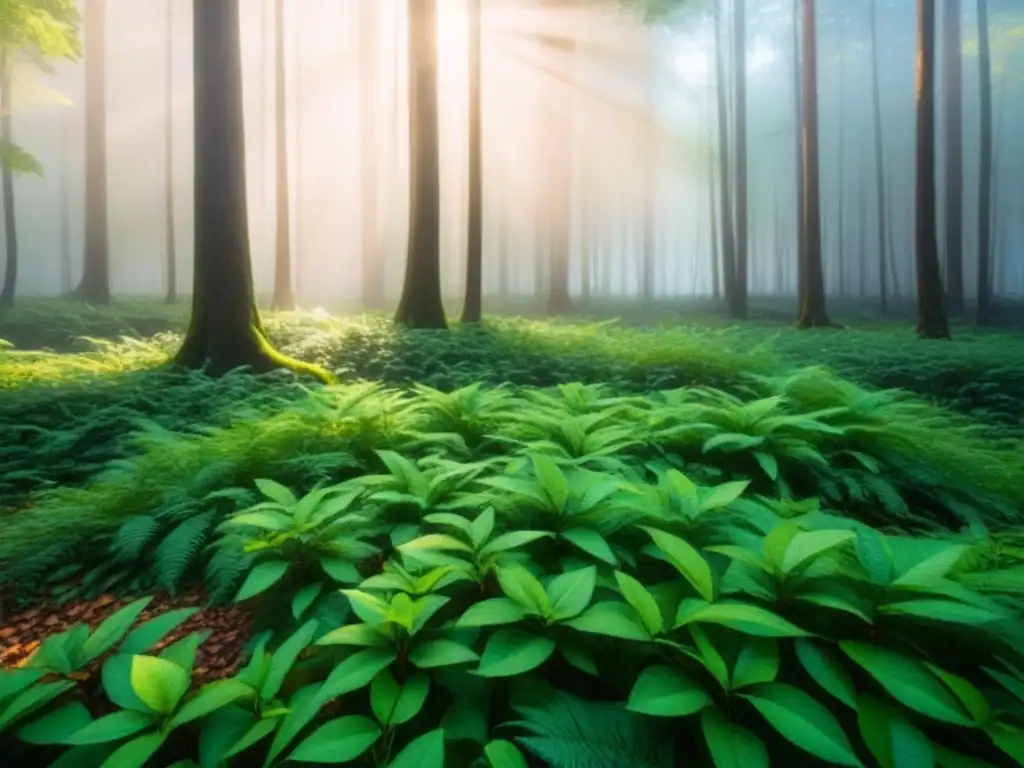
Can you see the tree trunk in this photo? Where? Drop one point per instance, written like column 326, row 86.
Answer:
column 95, row 285
column 984, row 287
column 738, row 308
column 65, row 204
column 813, row 312
column 421, row 305
column 284, row 294
column 725, row 188
column 372, row 288
column 559, row 129
column 171, row 264
column 471, row 308
column 225, row 331
column 7, row 183
column 954, row 158
column 876, row 100
column 841, row 182
column 931, row 318
column 801, row 228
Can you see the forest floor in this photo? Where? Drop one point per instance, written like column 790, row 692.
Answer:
column 108, row 462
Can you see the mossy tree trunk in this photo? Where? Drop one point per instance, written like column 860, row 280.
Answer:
column 420, row 305
column 95, row 284
column 284, row 293
column 472, row 306
column 931, row 317
column 225, row 331
column 7, row 182
column 813, row 311
column 372, row 288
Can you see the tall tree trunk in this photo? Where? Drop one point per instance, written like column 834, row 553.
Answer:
column 713, row 213
column 372, row 288
column 984, row 287
column 813, row 312
column 95, row 284
column 284, row 295
column 171, row 264
column 841, row 183
column 559, row 129
column 7, row 183
column 65, row 204
column 738, row 309
column 725, row 181
column 931, row 318
column 421, row 305
column 471, row 308
column 801, row 227
column 876, row 101
column 953, row 81
column 225, row 331
column 649, row 182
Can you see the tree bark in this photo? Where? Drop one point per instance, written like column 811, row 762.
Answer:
column 738, row 307
column 65, row 204
column 284, row 293
column 171, row 263
column 880, row 201
column 7, row 183
column 225, row 331
column 813, row 311
column 801, row 228
column 372, row 288
column 421, row 305
column 725, row 185
column 559, row 130
column 984, row 286
column 953, row 81
column 931, row 318
column 95, row 284
column 472, row 306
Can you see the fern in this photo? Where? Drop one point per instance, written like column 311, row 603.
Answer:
column 132, row 538
column 177, row 551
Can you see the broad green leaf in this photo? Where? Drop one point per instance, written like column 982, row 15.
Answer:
column 265, row 519
column 932, row 569
column 722, row 495
column 708, row 655
column 356, row 634
column 578, row 654
column 1010, row 740
column 13, row 681
column 112, row 727
column 777, row 542
column 826, row 670
column 873, row 555
column 112, row 629
column 943, row 610
column 210, row 698
column 973, row 700
column 341, row 740
column 552, row 479
column 731, row 745
column 261, row 578
column 151, row 632
column 354, row 673
column 274, row 491
column 908, row 681
column 425, row 751
column 810, row 545
column 341, row 570
column 758, row 662
column 570, row 593
column 256, row 733
column 523, row 587
column 642, row 602
column 502, row 753
column 441, row 653
column 367, row 607
column 512, row 540
column 667, row 692
column 56, row 726
column 183, row 652
column 748, row 619
column 1011, row 684
column 891, row 738
column 497, row 610
column 159, row 683
column 610, row 618
column 282, row 660
column 769, row 465
column 304, row 598
column 687, row 560
column 482, row 527
column 395, row 704
column 804, row 722
column 31, row 699
column 436, row 542
column 136, row 753
column 511, row 652
column 591, row 542
column 949, row 759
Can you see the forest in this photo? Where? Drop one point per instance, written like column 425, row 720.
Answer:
column 512, row 383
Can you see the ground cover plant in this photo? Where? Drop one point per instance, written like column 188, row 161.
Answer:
column 524, row 544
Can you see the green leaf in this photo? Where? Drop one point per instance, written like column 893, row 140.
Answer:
column 497, row 610
column 804, row 722
column 210, row 698
column 687, row 560
column 930, row 571
column 14, row 681
column 827, row 671
column 284, row 658
column 425, row 751
column 806, row 547
column 731, row 745
column 949, row 759
column 112, row 629
column 338, row 741
column 112, row 727
column 435, row 542
column 340, row 570
column 511, row 652
column 642, row 602
column 708, row 656
column 441, row 653
column 777, row 542
column 570, row 593
column 304, row 598
column 1009, row 740
column 512, row 540
column 32, row 699
column 261, row 578
column 502, row 753
column 552, row 479
column 612, row 619
column 356, row 634
column 908, row 681
column 264, row 519
column 482, row 527
column 159, row 683
column 395, row 704
column 944, row 610
column 973, row 700
column 354, row 673
column 276, row 492
column 722, row 495
column 667, row 692
column 748, row 619
column 136, row 753
column 891, row 738
column 151, row 632
column 758, row 662
column 874, row 556
column 56, row 726
column 523, row 587
column 591, row 542
column 768, row 464
column 367, row 607
column 256, row 732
